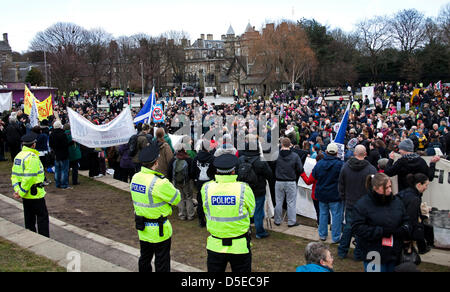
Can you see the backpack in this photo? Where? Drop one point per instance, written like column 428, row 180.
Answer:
column 203, row 176
column 180, row 171
column 247, row 174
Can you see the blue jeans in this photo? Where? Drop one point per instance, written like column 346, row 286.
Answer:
column 62, row 173
column 346, row 239
column 259, row 215
column 336, row 216
column 288, row 190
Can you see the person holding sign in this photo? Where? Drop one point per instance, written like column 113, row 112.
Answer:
column 381, row 223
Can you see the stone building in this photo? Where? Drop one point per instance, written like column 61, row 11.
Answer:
column 223, row 64
column 11, row 71
column 204, row 60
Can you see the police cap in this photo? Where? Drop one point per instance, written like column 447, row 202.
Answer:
column 29, row 138
column 225, row 163
column 149, row 153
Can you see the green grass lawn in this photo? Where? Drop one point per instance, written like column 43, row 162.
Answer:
column 108, row 211
column 16, row 259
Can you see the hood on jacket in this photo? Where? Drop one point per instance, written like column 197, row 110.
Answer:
column 203, row 156
column 356, row 164
column 330, row 161
column 182, row 155
column 249, row 153
column 285, row 153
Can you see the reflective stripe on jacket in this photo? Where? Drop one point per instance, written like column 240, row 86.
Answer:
column 153, row 196
column 228, row 206
column 27, row 171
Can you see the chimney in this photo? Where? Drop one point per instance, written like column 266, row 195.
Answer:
column 202, row 36
column 5, row 37
column 210, row 37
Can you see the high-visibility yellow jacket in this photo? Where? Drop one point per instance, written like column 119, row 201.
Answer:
column 153, row 196
column 228, row 207
column 26, row 172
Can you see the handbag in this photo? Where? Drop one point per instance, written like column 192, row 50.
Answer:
column 410, row 254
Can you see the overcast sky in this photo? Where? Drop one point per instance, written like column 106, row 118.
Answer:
column 22, row 19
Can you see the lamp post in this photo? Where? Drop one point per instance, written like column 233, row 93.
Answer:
column 142, row 78
column 45, row 65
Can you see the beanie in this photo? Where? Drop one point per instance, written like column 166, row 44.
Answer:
column 406, row 145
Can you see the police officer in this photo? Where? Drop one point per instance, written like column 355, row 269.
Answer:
column 153, row 197
column 27, row 180
column 228, row 206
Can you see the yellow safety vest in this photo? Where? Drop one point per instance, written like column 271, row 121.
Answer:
column 26, row 172
column 153, row 196
column 228, row 207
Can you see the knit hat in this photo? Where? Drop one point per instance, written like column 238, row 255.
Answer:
column 406, row 145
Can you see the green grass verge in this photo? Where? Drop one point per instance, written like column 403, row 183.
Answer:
column 16, row 259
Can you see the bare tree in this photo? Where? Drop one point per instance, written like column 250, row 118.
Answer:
column 284, row 54
column 173, row 55
column 408, row 29
column 373, row 36
column 96, row 55
column 444, row 23
column 64, row 44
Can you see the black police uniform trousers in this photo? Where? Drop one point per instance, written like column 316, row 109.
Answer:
column 161, row 251
column 35, row 211
column 240, row 263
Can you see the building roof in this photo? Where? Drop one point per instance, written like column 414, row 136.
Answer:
column 4, row 46
column 249, row 28
column 230, row 30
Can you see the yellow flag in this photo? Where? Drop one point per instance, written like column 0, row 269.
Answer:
column 45, row 108
column 28, row 100
column 415, row 92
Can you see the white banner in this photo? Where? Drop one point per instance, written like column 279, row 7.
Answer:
column 115, row 133
column 5, row 102
column 438, row 193
column 308, row 168
column 370, row 92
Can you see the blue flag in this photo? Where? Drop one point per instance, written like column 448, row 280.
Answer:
column 144, row 116
column 340, row 136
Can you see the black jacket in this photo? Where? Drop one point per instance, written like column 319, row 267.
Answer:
column 352, row 180
column 14, row 133
column 373, row 157
column 447, row 143
column 59, row 144
column 288, row 166
column 203, row 158
column 261, row 168
column 410, row 163
column 371, row 222
column 412, row 200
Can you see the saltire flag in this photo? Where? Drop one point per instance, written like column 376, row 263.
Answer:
column 340, row 136
column 145, row 115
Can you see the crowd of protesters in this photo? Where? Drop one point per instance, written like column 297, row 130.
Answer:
column 357, row 184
